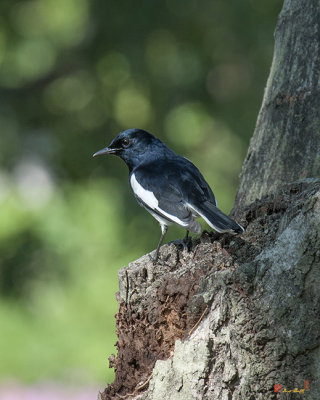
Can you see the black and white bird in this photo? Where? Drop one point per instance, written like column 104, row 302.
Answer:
column 167, row 185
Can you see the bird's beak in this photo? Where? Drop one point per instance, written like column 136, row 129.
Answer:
column 106, row 150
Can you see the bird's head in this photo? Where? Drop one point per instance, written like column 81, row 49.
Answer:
column 133, row 146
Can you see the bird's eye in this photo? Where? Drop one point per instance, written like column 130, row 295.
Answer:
column 125, row 142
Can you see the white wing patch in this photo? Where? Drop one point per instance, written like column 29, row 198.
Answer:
column 151, row 201
column 145, row 195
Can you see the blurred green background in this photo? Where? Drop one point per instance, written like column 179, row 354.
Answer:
column 73, row 73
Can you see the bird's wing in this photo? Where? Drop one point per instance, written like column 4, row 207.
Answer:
column 157, row 189
column 200, row 199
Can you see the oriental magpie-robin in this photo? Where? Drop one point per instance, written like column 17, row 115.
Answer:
column 167, row 185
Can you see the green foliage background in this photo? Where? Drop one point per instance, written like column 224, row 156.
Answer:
column 73, row 73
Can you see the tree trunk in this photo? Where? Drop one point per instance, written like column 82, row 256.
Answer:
column 239, row 317
column 286, row 142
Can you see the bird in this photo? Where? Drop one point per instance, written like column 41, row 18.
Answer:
column 167, row 185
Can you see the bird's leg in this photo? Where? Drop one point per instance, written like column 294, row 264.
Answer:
column 164, row 229
column 186, row 238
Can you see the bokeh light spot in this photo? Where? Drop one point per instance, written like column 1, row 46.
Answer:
column 33, row 182
column 29, row 60
column 61, row 21
column 70, row 93
column 132, row 108
column 188, row 124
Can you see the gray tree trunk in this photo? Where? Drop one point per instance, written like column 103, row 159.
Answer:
column 236, row 316
column 286, row 142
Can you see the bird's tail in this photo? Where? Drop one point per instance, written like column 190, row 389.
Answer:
column 217, row 219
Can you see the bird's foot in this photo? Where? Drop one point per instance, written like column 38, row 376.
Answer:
column 155, row 259
column 183, row 243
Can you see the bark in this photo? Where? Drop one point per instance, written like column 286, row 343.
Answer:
column 286, row 142
column 234, row 316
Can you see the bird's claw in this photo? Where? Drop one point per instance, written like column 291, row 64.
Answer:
column 155, row 260
column 186, row 244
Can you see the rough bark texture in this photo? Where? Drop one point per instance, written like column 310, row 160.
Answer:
column 235, row 316
column 259, row 299
column 286, row 142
